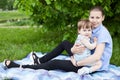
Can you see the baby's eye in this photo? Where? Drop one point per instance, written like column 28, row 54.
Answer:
column 97, row 17
column 89, row 30
column 92, row 17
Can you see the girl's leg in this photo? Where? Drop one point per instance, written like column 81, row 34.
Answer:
column 65, row 65
column 65, row 45
column 10, row 64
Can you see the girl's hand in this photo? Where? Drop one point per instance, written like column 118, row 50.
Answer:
column 73, row 61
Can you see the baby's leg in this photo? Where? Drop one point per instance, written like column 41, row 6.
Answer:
column 83, row 70
column 93, row 68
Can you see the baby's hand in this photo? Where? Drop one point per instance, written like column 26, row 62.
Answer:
column 77, row 48
column 77, row 44
column 95, row 39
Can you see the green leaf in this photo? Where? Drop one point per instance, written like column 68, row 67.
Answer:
column 93, row 2
column 48, row 2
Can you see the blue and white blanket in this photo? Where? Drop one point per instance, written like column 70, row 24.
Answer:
column 41, row 74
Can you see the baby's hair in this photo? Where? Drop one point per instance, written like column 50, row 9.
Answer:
column 98, row 8
column 85, row 24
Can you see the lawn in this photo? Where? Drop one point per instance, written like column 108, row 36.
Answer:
column 17, row 42
column 13, row 18
column 12, row 15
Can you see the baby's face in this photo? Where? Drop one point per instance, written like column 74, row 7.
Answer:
column 85, row 32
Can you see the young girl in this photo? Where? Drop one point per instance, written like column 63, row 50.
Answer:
column 103, row 50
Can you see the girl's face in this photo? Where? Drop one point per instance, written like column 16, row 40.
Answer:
column 96, row 18
column 85, row 32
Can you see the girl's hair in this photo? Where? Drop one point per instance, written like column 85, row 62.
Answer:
column 85, row 24
column 97, row 8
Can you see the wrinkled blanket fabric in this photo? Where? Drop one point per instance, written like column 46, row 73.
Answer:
column 41, row 74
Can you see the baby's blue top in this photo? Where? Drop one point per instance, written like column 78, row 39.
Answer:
column 103, row 36
column 86, row 53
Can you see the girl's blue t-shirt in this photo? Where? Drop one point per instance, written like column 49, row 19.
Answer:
column 103, row 36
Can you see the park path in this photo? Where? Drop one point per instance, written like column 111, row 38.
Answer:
column 3, row 26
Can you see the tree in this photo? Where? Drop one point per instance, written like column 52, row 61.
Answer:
column 6, row 4
column 3, row 4
column 10, row 4
column 61, row 13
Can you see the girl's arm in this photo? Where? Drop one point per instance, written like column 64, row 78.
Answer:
column 95, row 57
column 73, row 61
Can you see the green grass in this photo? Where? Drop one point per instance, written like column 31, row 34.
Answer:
column 16, row 43
column 13, row 18
column 116, row 51
column 9, row 15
